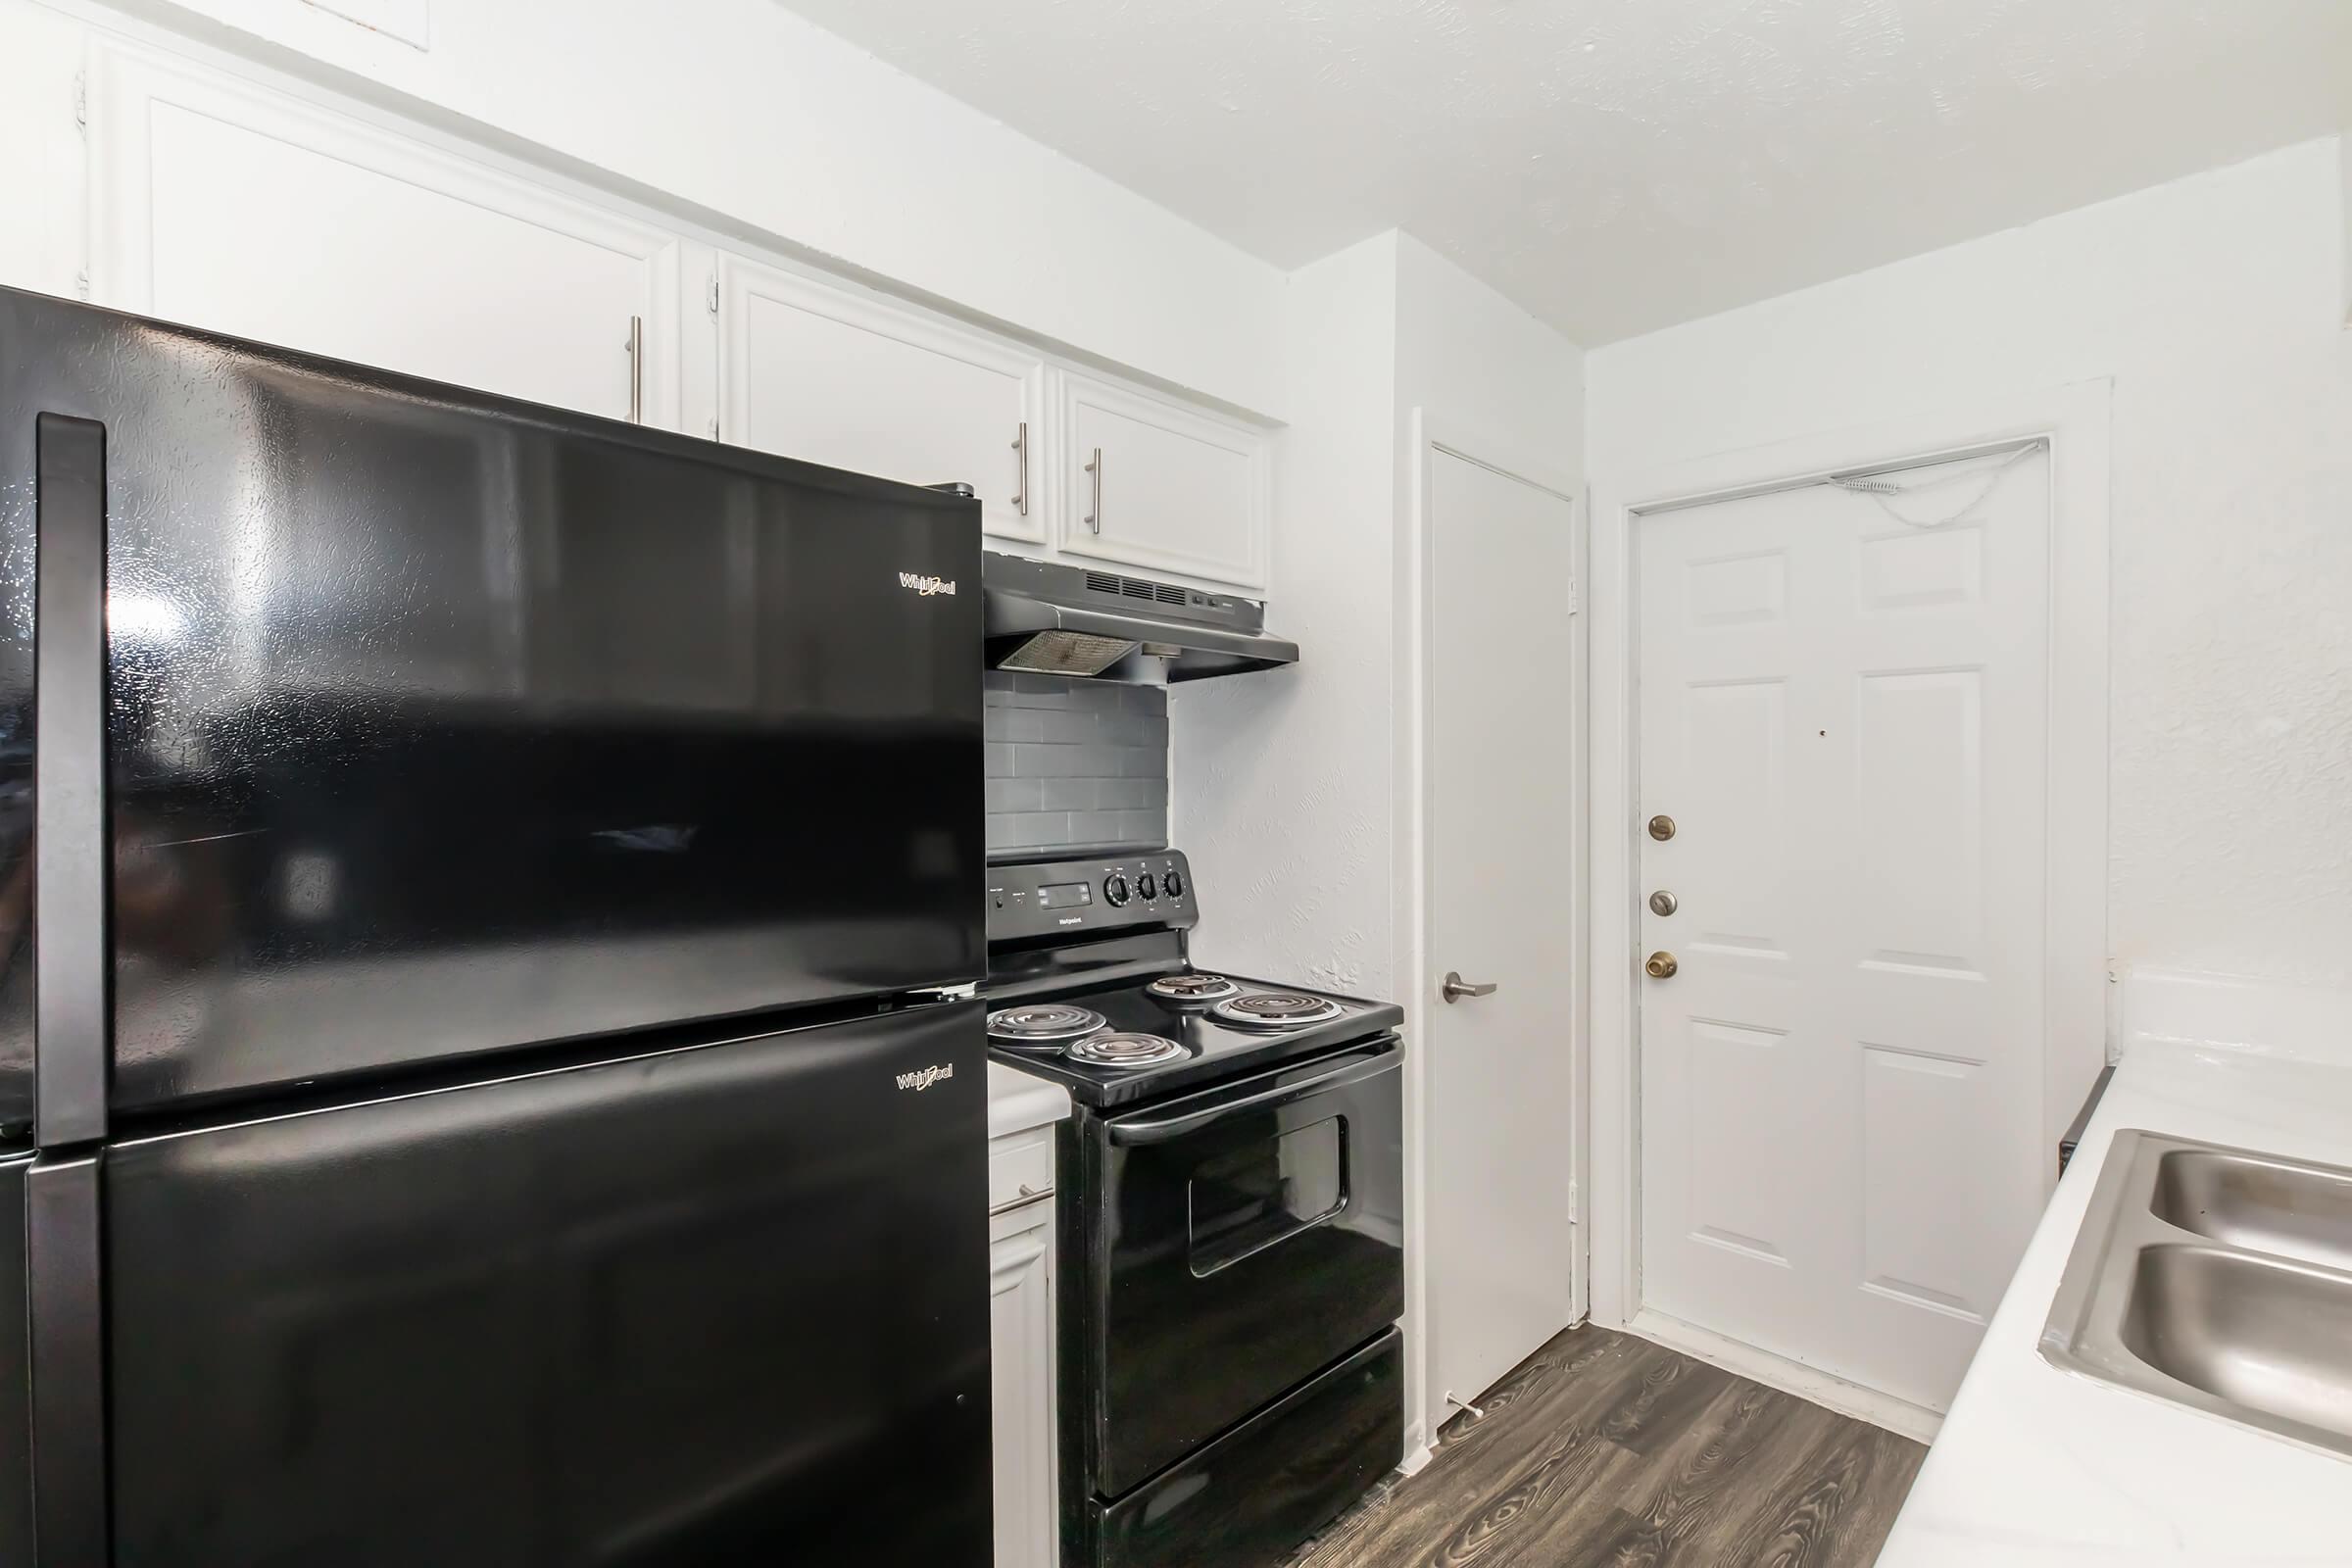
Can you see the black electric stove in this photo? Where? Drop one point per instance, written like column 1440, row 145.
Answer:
column 1230, row 1205
column 1209, row 1045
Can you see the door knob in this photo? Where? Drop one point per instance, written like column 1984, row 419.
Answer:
column 1661, row 966
column 1456, row 988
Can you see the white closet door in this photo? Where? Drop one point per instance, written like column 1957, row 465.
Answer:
column 227, row 206
column 817, row 372
column 1845, row 718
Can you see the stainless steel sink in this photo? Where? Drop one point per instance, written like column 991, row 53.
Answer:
column 2256, row 1203
column 2218, row 1279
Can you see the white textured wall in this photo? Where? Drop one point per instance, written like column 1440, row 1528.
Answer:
column 1281, row 780
column 1486, row 366
column 2216, row 305
column 756, row 121
column 1285, row 785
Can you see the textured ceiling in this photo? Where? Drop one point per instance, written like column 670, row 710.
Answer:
column 1619, row 164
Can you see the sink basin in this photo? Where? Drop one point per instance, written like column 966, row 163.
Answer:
column 2256, row 1203
column 2268, row 1337
column 2220, row 1279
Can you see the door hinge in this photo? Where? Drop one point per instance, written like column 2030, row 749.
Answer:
column 1576, row 598
column 81, row 99
column 711, row 298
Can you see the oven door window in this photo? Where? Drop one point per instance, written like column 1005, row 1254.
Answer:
column 1255, row 1197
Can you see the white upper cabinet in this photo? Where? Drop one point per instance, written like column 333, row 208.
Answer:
column 814, row 370
column 1160, row 487
column 224, row 205
column 274, row 214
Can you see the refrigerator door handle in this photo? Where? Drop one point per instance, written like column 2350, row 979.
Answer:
column 68, row 1335
column 72, row 1018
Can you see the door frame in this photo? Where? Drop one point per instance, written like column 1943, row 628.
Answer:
column 2075, row 420
column 1433, row 433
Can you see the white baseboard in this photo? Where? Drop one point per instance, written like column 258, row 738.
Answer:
column 1898, row 1416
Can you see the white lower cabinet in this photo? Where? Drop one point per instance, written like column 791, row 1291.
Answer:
column 1021, row 1277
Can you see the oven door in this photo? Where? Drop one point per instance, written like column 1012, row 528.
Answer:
column 1247, row 1236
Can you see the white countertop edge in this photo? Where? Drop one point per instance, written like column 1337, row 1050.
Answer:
column 2038, row 1468
column 1017, row 1102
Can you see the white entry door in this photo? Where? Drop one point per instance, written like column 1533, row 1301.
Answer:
column 1501, row 819
column 1844, row 716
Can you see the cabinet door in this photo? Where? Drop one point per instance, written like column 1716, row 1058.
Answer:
column 1150, row 484
column 817, row 371
column 229, row 207
column 1020, row 1270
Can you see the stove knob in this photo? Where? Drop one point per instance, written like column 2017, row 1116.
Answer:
column 1147, row 887
column 1114, row 889
column 1173, row 883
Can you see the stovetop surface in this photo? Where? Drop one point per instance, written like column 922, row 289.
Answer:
column 1213, row 1050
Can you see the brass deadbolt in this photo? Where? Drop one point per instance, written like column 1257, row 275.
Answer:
column 1661, row 828
column 1661, row 966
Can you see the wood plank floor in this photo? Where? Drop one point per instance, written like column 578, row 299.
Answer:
column 1606, row 1450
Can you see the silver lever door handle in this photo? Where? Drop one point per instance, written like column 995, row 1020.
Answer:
column 1456, row 988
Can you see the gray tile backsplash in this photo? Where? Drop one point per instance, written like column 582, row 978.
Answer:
column 1075, row 765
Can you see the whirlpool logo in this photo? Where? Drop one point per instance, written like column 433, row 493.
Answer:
column 927, row 586
column 924, row 1077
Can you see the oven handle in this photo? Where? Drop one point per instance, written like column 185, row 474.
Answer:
column 1129, row 1133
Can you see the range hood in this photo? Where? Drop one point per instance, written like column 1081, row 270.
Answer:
column 1052, row 618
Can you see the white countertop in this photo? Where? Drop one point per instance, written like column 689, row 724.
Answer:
column 1017, row 1102
column 2035, row 1466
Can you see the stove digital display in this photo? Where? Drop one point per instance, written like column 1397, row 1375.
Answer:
column 1064, row 894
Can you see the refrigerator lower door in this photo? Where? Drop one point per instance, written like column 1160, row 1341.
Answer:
column 726, row 1304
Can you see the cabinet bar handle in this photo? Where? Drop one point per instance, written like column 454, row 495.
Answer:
column 1020, row 445
column 1029, row 1195
column 636, row 369
column 1094, row 518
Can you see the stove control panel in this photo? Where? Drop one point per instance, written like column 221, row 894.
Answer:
column 1032, row 898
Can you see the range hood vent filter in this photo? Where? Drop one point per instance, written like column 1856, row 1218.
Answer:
column 1052, row 617
column 1066, row 652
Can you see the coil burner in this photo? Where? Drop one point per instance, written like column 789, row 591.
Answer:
column 1276, row 1010
column 1193, row 987
column 1124, row 1050
column 1043, row 1026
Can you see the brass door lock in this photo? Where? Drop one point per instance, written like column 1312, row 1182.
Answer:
column 1661, row 966
column 1661, row 828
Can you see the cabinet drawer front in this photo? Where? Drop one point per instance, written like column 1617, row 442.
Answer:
column 1020, row 1169
column 818, row 373
column 1172, row 491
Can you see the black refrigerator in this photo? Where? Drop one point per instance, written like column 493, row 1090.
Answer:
column 488, row 902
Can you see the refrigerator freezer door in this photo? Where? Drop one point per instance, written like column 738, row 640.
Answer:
column 439, row 724
column 722, row 1304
